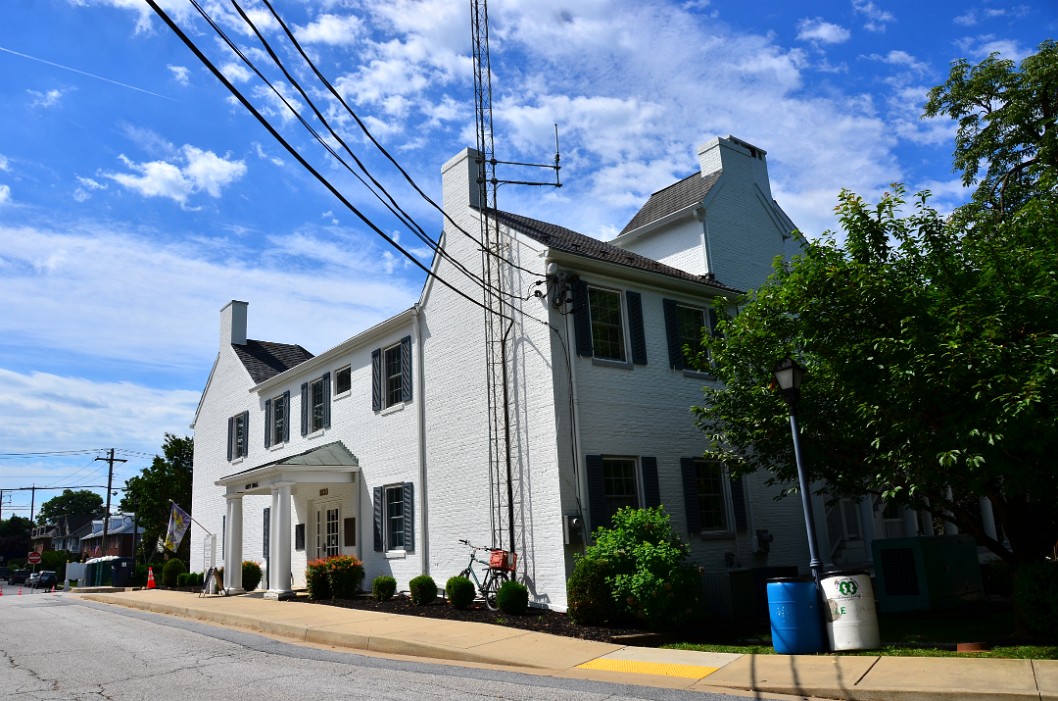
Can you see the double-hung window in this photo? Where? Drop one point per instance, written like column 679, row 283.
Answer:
column 684, row 326
column 277, row 420
column 316, row 404
column 394, row 523
column 609, row 324
column 238, row 429
column 714, row 502
column 391, row 375
column 607, row 327
column 343, row 380
column 615, row 482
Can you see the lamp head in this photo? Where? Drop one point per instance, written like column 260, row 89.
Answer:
column 788, row 374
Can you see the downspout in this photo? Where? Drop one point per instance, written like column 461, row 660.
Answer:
column 574, row 414
column 420, row 415
column 507, row 436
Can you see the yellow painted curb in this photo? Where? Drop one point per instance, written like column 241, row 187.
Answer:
column 687, row 671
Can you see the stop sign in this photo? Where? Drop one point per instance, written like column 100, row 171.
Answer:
column 33, row 558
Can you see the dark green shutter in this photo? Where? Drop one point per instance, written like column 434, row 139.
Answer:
column 672, row 334
column 268, row 423
column 304, row 408
column 738, row 503
column 651, row 488
column 409, row 517
column 326, row 399
column 245, row 433
column 231, row 435
column 582, row 319
column 379, row 506
column 405, row 369
column 376, row 379
column 688, row 466
column 596, row 492
column 286, row 418
column 635, row 330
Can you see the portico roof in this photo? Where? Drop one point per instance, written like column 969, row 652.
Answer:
column 327, row 464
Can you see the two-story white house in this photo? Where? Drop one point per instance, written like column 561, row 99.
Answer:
column 380, row 446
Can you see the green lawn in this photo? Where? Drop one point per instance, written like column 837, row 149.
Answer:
column 927, row 634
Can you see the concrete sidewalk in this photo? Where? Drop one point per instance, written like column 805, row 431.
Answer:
column 814, row 676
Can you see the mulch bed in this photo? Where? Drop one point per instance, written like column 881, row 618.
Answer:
column 535, row 619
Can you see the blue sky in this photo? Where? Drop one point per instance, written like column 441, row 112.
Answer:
column 137, row 197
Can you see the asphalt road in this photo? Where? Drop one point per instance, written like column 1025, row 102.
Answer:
column 58, row 647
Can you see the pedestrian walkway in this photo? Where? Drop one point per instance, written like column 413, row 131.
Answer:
column 868, row 678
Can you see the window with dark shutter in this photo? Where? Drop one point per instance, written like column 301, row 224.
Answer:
column 651, row 488
column 268, row 424
column 376, row 379
column 635, row 327
column 409, row 521
column 406, row 368
column 305, row 408
column 378, row 511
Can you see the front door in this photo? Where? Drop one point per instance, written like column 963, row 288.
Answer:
column 327, row 532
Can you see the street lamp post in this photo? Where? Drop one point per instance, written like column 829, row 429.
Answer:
column 789, row 374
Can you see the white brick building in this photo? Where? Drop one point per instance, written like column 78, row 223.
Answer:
column 379, row 447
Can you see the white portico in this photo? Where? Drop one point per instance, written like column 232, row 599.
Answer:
column 331, row 464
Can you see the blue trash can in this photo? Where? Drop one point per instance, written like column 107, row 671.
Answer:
column 796, row 616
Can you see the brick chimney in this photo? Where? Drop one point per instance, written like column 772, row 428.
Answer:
column 233, row 324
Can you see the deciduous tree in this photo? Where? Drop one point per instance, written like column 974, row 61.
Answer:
column 149, row 493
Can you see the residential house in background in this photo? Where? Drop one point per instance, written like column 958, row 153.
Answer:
column 121, row 537
column 394, row 445
column 69, row 530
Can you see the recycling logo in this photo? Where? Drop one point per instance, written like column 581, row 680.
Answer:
column 848, row 587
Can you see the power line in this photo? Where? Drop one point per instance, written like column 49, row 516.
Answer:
column 300, row 158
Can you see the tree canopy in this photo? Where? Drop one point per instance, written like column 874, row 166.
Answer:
column 70, row 503
column 931, row 346
column 1008, row 125
column 167, row 478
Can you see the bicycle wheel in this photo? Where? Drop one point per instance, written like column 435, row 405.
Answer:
column 496, row 579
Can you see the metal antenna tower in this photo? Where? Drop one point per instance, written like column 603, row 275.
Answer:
column 495, row 268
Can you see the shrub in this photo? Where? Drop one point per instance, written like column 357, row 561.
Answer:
column 251, row 575
column 644, row 563
column 1036, row 599
column 345, row 574
column 383, row 587
column 423, row 590
column 181, row 579
column 171, row 570
column 460, row 591
column 591, row 601
column 316, row 578
column 513, row 598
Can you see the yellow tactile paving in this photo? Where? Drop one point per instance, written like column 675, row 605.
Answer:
column 661, row 669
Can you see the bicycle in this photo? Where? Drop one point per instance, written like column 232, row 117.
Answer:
column 500, row 565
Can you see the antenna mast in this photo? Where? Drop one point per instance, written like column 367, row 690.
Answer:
column 493, row 259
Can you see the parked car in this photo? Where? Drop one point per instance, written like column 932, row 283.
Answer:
column 46, row 580
column 5, row 572
column 18, row 577
column 31, row 581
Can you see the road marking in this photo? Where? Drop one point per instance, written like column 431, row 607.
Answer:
column 686, row 671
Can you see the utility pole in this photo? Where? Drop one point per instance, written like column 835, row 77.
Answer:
column 110, row 479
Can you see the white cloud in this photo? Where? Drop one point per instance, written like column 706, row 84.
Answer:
column 5, row 194
column 73, row 413
column 901, row 59
column 201, row 171
column 875, row 18
column 46, row 99
column 818, row 30
column 181, row 74
column 331, row 29
column 5, row 165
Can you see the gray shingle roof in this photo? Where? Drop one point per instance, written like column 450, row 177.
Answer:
column 264, row 359
column 680, row 195
column 570, row 241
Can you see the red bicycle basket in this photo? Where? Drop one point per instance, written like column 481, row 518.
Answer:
column 504, row 560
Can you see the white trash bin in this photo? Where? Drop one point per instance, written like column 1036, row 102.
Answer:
column 852, row 620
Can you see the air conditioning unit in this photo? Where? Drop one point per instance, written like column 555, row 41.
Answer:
column 931, row 572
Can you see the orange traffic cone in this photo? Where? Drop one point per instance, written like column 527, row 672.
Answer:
column 52, row 588
column 20, row 590
column 150, row 578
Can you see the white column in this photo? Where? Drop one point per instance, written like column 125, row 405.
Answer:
column 949, row 527
column 233, row 546
column 279, row 550
column 910, row 523
column 988, row 519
